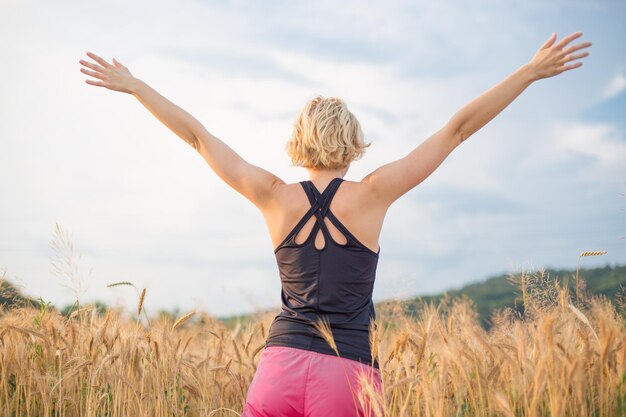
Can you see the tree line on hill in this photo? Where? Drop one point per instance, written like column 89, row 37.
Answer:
column 496, row 292
column 501, row 291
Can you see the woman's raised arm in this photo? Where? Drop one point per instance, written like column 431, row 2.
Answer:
column 254, row 183
column 390, row 181
column 549, row 61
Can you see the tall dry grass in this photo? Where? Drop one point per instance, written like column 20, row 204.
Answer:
column 562, row 357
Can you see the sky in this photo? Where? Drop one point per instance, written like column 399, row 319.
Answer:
column 543, row 182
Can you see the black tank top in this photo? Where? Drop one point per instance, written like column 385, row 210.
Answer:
column 334, row 283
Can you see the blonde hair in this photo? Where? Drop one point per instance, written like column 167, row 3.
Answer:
column 326, row 135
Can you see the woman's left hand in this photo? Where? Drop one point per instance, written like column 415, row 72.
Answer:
column 551, row 58
column 113, row 76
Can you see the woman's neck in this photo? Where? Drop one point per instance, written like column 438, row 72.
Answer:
column 324, row 176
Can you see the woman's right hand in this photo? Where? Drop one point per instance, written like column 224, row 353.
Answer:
column 551, row 59
column 114, row 76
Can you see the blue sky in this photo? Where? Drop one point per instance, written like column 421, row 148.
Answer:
column 543, row 182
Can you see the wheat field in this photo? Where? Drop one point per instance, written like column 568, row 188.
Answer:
column 564, row 356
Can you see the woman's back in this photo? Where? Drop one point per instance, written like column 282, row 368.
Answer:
column 331, row 281
column 351, row 205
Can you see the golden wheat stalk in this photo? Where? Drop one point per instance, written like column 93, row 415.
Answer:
column 585, row 254
column 373, row 340
column 579, row 314
column 370, row 398
column 236, row 350
column 257, row 350
column 323, row 327
column 141, row 298
column 79, row 311
column 591, row 253
column 183, row 319
column 503, row 403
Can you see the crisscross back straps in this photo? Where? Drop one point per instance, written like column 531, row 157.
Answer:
column 320, row 203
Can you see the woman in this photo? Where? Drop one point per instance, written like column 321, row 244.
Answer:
column 325, row 232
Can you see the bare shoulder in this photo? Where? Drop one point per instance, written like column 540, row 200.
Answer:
column 359, row 191
column 288, row 198
column 360, row 196
column 288, row 204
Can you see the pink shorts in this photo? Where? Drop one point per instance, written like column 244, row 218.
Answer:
column 292, row 382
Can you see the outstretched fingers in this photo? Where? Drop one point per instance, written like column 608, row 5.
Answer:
column 567, row 55
column 569, row 58
column 554, row 58
column 92, row 73
column 99, row 60
column 569, row 67
column 568, row 39
column 576, row 47
column 99, row 71
column 549, row 42
column 118, row 64
column 92, row 66
column 98, row 83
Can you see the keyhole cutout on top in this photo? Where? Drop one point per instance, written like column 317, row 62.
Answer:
column 320, row 243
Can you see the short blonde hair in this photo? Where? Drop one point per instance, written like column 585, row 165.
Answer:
column 326, row 135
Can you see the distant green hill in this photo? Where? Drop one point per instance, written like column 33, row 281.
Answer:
column 498, row 292
column 10, row 296
column 494, row 293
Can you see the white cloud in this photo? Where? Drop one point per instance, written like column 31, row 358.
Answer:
column 615, row 86
column 144, row 207
column 603, row 143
